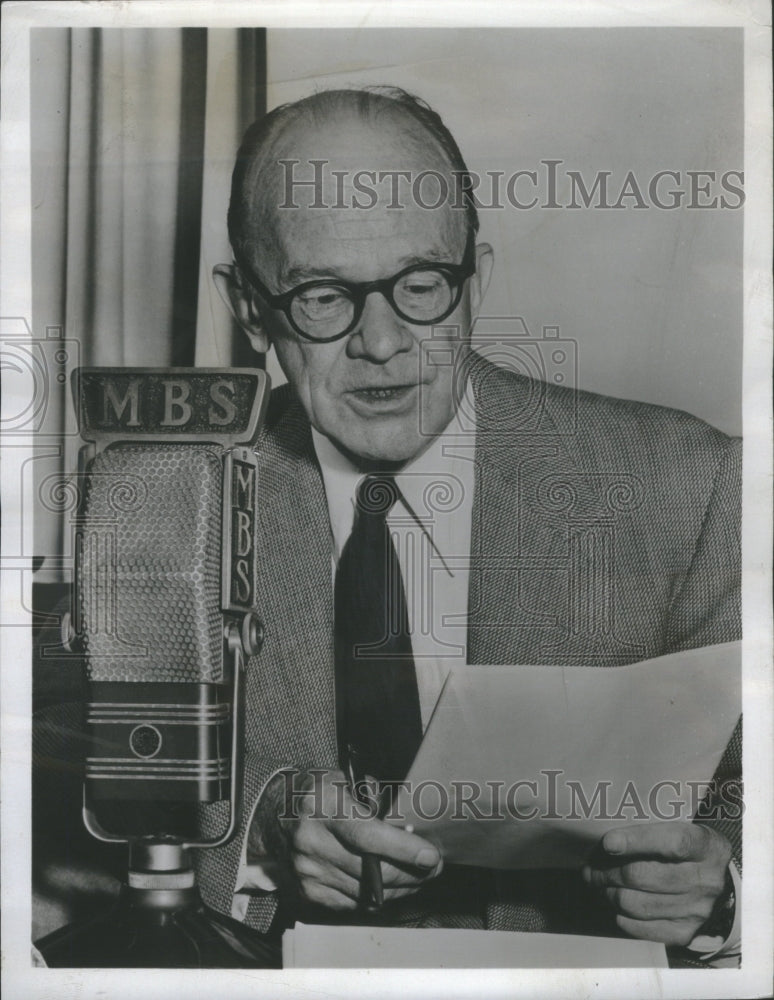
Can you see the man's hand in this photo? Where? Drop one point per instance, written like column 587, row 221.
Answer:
column 327, row 837
column 662, row 879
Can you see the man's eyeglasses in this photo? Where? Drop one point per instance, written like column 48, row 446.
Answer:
column 325, row 310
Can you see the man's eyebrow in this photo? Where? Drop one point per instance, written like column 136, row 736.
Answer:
column 434, row 255
column 298, row 275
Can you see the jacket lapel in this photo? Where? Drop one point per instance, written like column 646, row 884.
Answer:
column 517, row 589
column 294, row 671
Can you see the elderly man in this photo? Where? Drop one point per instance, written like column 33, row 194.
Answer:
column 368, row 297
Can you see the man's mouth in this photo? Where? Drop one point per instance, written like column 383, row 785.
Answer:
column 382, row 393
column 383, row 397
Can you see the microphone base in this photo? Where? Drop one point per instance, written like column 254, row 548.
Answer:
column 159, row 921
column 135, row 937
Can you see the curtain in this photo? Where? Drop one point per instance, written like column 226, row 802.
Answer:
column 133, row 139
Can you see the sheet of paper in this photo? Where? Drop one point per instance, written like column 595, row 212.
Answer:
column 309, row 946
column 528, row 767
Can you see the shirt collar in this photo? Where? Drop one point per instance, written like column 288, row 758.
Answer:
column 340, row 476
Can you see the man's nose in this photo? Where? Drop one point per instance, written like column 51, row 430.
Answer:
column 380, row 333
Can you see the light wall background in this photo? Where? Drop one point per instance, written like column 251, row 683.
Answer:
column 653, row 298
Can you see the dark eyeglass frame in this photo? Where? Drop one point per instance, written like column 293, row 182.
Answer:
column 359, row 291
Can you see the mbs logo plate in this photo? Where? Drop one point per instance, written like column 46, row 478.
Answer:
column 164, row 405
column 239, row 480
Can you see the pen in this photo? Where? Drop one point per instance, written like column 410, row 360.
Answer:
column 371, row 888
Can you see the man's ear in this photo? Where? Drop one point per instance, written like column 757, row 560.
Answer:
column 240, row 301
column 479, row 282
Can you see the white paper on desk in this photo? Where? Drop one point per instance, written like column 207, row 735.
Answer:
column 308, row 946
column 619, row 732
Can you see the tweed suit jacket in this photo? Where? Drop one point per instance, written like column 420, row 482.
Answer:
column 604, row 532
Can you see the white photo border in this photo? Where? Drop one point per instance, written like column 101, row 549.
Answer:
column 22, row 980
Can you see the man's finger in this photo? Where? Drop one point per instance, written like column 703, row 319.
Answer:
column 323, row 895
column 670, row 841
column 646, row 876
column 314, row 840
column 669, row 932
column 346, row 874
column 309, row 870
column 658, row 906
column 408, row 875
column 373, row 836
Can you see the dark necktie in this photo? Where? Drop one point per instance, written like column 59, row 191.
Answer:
column 377, row 703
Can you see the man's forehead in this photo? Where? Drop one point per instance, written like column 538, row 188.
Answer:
column 349, row 160
column 346, row 187
column 358, row 228
column 353, row 246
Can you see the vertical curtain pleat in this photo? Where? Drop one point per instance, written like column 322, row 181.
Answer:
column 236, row 69
column 253, row 79
column 190, row 171
column 50, row 87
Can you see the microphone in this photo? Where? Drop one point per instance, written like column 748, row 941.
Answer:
column 165, row 565
column 163, row 616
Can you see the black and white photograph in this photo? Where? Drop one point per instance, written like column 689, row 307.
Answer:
column 386, row 449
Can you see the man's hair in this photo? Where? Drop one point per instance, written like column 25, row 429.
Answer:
column 263, row 136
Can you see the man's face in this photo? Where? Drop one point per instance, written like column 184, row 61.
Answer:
column 368, row 391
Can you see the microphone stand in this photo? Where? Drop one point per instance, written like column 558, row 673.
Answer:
column 159, row 919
